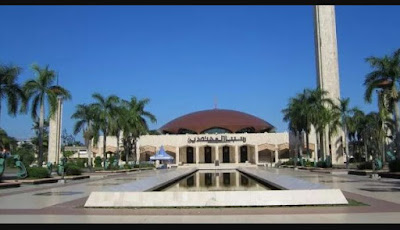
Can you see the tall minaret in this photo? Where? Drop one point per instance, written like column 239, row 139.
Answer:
column 54, row 148
column 328, row 68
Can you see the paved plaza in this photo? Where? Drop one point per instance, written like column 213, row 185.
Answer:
column 63, row 202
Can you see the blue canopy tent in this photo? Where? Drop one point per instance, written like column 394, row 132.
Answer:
column 162, row 156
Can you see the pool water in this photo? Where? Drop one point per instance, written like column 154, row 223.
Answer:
column 216, row 180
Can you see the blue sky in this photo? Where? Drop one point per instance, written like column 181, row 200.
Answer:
column 251, row 58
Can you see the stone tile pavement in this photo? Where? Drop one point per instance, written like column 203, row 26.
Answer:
column 63, row 203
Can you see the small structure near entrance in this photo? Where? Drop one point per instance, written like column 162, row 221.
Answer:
column 162, row 156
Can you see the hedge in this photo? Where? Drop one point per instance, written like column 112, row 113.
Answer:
column 72, row 170
column 37, row 172
column 394, row 166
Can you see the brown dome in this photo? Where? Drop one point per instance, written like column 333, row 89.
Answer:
column 230, row 120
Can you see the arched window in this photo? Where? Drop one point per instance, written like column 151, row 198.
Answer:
column 247, row 130
column 184, row 131
column 216, row 130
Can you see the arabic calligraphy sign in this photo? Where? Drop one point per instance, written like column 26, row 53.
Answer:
column 222, row 139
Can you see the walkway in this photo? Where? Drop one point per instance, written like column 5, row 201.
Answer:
column 63, row 203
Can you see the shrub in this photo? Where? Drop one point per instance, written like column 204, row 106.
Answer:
column 26, row 154
column 127, row 166
column 37, row 172
column 97, row 162
column 321, row 164
column 146, row 165
column 81, row 162
column 113, row 167
column 309, row 163
column 291, row 162
column 72, row 169
column 394, row 166
column 365, row 165
column 10, row 162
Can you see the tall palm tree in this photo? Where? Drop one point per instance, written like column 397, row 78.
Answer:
column 40, row 89
column 375, row 133
column 356, row 125
column 85, row 117
column 319, row 105
column 117, row 123
column 386, row 123
column 10, row 90
column 295, row 114
column 386, row 75
column 36, row 126
column 346, row 114
column 137, row 119
column 7, row 142
column 105, row 109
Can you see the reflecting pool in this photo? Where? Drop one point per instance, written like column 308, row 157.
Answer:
column 216, row 180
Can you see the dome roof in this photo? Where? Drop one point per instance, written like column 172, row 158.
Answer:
column 231, row 120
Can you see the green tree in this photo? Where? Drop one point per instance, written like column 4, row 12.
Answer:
column 105, row 109
column 386, row 76
column 321, row 117
column 26, row 152
column 7, row 142
column 39, row 90
column 345, row 113
column 85, row 117
column 296, row 114
column 136, row 123
column 10, row 90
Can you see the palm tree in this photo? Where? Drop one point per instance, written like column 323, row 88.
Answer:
column 375, row 133
column 319, row 105
column 36, row 126
column 105, row 109
column 7, row 142
column 295, row 114
column 10, row 89
column 356, row 126
column 386, row 75
column 345, row 113
column 85, row 117
column 117, row 124
column 40, row 89
column 386, row 123
column 298, row 113
column 136, row 124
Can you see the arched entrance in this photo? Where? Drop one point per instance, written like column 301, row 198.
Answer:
column 225, row 154
column 243, row 154
column 189, row 155
column 207, row 154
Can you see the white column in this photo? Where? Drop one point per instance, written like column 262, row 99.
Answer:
column 137, row 153
column 217, row 181
column 327, row 65
column 236, row 154
column 177, row 155
column 237, row 178
column 256, row 153
column 197, row 155
column 272, row 157
column 54, row 142
column 276, row 154
column 198, row 180
column 216, row 152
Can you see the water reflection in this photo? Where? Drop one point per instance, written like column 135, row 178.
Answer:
column 204, row 180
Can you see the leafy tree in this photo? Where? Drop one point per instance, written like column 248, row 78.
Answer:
column 10, row 90
column 105, row 109
column 386, row 76
column 39, row 90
